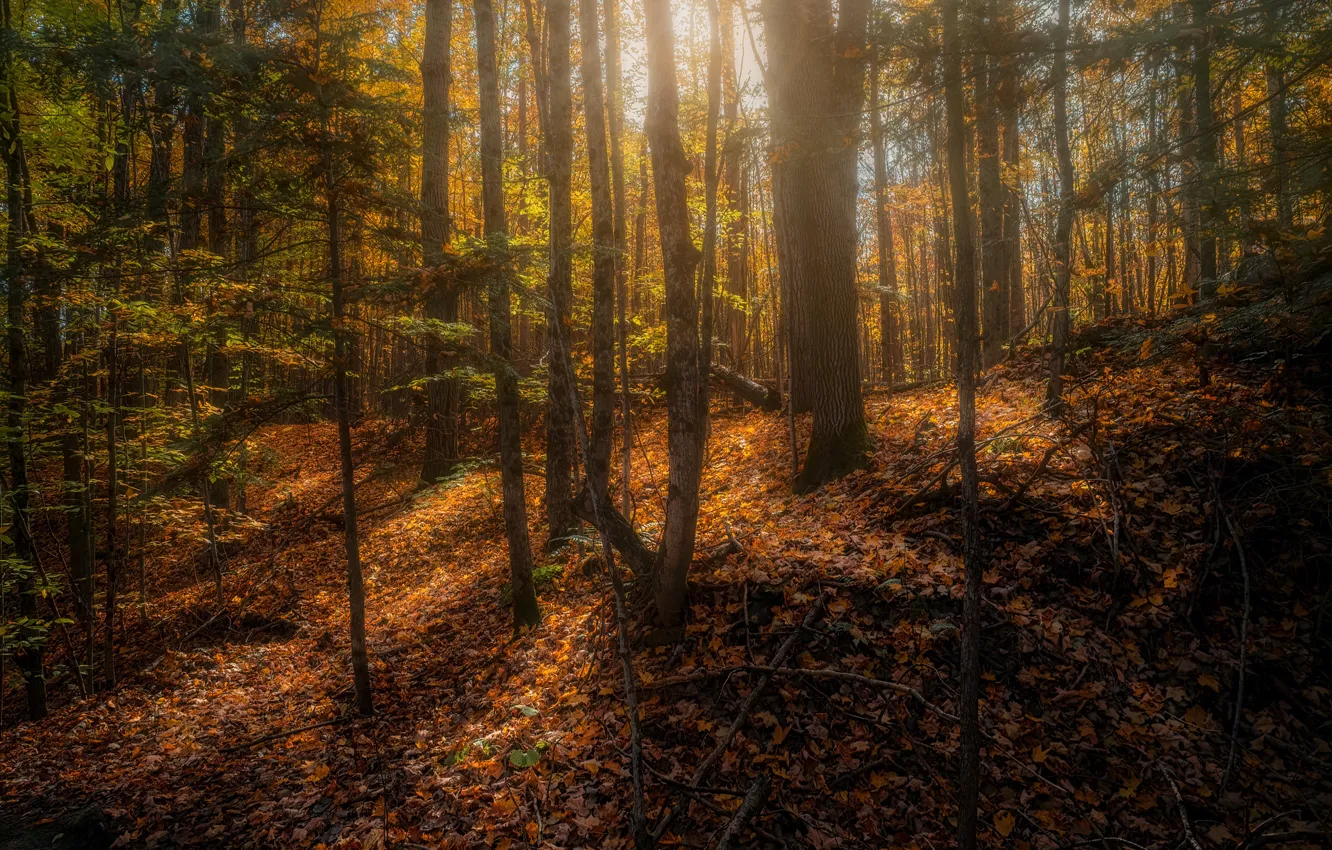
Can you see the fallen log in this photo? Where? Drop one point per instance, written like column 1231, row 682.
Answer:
column 762, row 397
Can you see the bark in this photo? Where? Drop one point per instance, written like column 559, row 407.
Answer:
column 615, row 103
column 707, row 287
column 559, row 151
column 967, row 343
column 737, row 196
column 603, row 247
column 342, row 408
column 1188, row 171
column 1110, row 279
column 1063, row 247
column 218, row 367
column 1276, row 122
column 816, row 91
column 1007, row 95
column 679, row 259
column 526, row 612
column 1153, row 193
column 441, row 426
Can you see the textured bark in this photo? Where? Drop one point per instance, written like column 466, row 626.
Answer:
column 816, row 90
column 990, row 191
column 765, row 398
column 603, row 247
column 968, row 788
column 559, row 151
column 525, row 609
column 679, row 259
column 441, row 426
column 890, row 343
column 1063, row 247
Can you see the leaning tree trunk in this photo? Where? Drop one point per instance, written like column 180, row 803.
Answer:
column 525, row 610
column 603, row 256
column 816, row 90
column 1063, row 247
column 559, row 150
column 679, row 259
column 964, row 292
column 441, row 413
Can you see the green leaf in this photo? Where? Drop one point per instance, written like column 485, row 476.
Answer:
column 525, row 758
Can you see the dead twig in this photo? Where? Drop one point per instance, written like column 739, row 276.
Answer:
column 277, row 736
column 1244, row 638
column 1183, row 813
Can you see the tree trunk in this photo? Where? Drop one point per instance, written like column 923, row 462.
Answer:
column 990, row 191
column 816, row 90
column 441, row 426
column 1007, row 96
column 525, row 610
column 1209, row 213
column 342, row 408
column 707, row 286
column 1275, row 75
column 670, row 167
column 603, row 248
column 737, row 249
column 616, row 110
column 889, row 336
column 1063, row 247
column 559, row 151
column 967, row 343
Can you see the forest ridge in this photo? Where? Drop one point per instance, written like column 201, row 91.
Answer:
column 695, row 423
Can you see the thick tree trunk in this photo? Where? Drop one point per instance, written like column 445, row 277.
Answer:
column 679, row 258
column 559, row 147
column 526, row 612
column 603, row 247
column 441, row 414
column 816, row 90
column 1063, row 247
column 968, row 792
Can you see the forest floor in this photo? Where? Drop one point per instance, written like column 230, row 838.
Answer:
column 1122, row 542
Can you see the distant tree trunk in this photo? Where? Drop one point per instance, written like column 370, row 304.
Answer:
column 891, row 344
column 1275, row 74
column 816, row 90
column 670, row 167
column 640, row 235
column 1209, row 211
column 615, row 102
column 525, row 609
column 1188, row 171
column 737, row 198
column 964, row 312
column 559, row 151
column 707, row 287
column 1109, row 289
column 441, row 426
column 218, row 365
column 1241, row 164
column 246, row 239
column 603, row 247
column 1153, row 193
column 1007, row 95
column 1063, row 247
column 990, row 191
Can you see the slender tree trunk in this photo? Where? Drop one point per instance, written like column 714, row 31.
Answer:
column 990, row 189
column 891, row 345
column 603, row 247
column 1209, row 210
column 967, row 344
column 525, row 610
column 1275, row 73
column 816, row 94
column 708, row 278
column 670, row 167
column 1007, row 95
column 559, row 150
column 733, row 159
column 615, row 103
column 1063, row 247
column 441, row 427
column 1153, row 193
column 1108, row 291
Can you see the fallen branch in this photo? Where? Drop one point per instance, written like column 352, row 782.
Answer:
column 276, row 736
column 762, row 397
column 749, row 807
column 1040, row 467
column 1183, row 813
column 1244, row 639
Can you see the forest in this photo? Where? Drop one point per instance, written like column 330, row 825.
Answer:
column 666, row 423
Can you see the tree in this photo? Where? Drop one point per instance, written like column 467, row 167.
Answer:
column 883, row 222
column 1063, row 241
column 603, row 251
column 679, row 259
column 441, row 427
column 525, row 609
column 964, row 289
column 815, row 90
column 990, row 191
